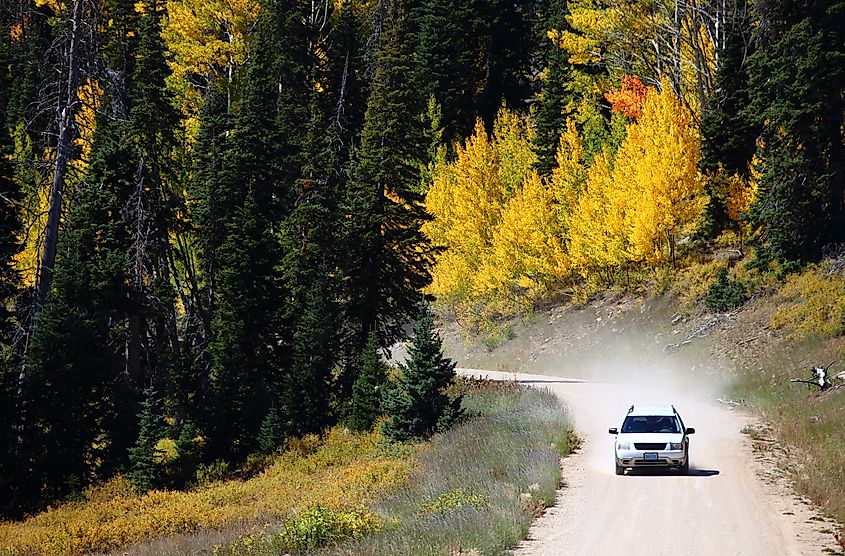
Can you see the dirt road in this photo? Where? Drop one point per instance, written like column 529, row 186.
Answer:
column 723, row 507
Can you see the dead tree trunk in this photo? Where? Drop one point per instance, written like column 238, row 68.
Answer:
column 67, row 111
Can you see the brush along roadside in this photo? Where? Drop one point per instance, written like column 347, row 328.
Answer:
column 474, row 489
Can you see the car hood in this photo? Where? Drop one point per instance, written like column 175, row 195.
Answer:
column 654, row 437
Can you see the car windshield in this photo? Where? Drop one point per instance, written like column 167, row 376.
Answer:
column 651, row 423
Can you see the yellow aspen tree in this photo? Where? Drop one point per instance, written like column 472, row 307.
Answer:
column 512, row 139
column 528, row 253
column 568, row 175
column 208, row 41
column 657, row 179
column 466, row 200
column 597, row 238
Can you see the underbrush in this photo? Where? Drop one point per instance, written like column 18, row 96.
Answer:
column 342, row 472
column 813, row 302
column 476, row 488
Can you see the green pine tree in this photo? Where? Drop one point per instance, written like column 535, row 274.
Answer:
column 417, row 404
column 729, row 130
column 552, row 109
column 368, row 388
column 74, row 364
column 389, row 258
column 10, row 229
column 555, row 94
column 797, row 75
column 144, row 472
column 445, row 53
column 243, row 348
column 272, row 432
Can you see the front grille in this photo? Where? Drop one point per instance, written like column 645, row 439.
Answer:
column 649, row 446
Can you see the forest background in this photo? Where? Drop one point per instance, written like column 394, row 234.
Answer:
column 210, row 207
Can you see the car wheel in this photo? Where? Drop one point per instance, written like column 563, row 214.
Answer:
column 684, row 469
column 620, row 470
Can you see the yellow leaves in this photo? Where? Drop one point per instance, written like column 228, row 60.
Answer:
column 527, row 244
column 636, row 206
column 568, row 175
column 207, row 39
column 741, row 194
column 657, row 171
column 513, row 138
column 596, row 230
column 344, row 470
column 57, row 6
column 89, row 95
column 16, row 31
column 813, row 303
column 497, row 220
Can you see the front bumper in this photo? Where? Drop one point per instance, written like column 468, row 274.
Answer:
column 637, row 458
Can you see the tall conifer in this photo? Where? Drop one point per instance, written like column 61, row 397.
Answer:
column 10, row 229
column 74, row 363
column 389, row 257
column 797, row 75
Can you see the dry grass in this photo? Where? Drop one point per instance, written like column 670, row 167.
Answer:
column 341, row 471
column 476, row 489
column 806, row 317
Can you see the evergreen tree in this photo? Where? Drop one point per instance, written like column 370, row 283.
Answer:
column 508, row 45
column 10, row 223
column 310, row 277
column 368, row 388
column 445, row 61
column 272, row 432
column 244, row 343
column 144, row 473
column 551, row 115
column 347, row 92
column 797, row 75
column 75, row 359
column 389, row 257
column 251, row 343
column 151, row 340
column 416, row 403
column 729, row 129
column 10, row 229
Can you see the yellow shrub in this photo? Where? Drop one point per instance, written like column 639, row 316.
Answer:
column 814, row 303
column 344, row 470
column 692, row 283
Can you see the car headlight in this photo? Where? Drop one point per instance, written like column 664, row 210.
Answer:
column 623, row 445
column 675, row 445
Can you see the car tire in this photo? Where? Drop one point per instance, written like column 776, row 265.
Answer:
column 684, row 469
column 620, row 470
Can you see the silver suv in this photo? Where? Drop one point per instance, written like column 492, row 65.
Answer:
column 652, row 436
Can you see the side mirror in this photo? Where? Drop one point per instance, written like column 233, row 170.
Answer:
column 613, row 431
column 690, row 430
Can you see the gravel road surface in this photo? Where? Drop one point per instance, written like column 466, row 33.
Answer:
column 724, row 507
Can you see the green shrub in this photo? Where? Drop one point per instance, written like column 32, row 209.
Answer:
column 453, row 500
column 725, row 294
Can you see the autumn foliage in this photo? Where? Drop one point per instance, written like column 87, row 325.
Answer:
column 630, row 97
column 511, row 237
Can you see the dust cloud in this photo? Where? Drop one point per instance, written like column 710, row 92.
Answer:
column 628, row 342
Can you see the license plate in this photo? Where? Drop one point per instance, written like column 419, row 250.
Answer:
column 652, row 456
